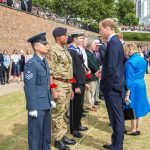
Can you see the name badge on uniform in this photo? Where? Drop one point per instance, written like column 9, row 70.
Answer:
column 29, row 75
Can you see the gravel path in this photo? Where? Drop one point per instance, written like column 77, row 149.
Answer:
column 9, row 88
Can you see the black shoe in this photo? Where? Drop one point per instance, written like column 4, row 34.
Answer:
column 61, row 145
column 68, row 141
column 85, row 111
column 96, row 103
column 76, row 134
column 101, row 97
column 138, row 132
column 81, row 128
column 83, row 115
column 107, row 146
column 132, row 133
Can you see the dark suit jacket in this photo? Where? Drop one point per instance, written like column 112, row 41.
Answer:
column 78, row 68
column 102, row 50
column 146, row 54
column 1, row 58
column 113, row 66
column 93, row 65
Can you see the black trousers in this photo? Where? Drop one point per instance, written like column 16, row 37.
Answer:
column 147, row 67
column 76, row 108
column 114, row 105
column 6, row 74
column 2, row 73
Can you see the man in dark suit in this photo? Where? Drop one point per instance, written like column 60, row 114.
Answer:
column 38, row 96
column 146, row 57
column 1, row 68
column 112, row 82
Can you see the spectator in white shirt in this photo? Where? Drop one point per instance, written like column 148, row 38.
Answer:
column 15, row 71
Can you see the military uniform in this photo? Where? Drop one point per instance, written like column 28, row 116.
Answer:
column 38, row 99
column 61, row 68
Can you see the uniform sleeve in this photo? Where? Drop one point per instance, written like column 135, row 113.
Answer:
column 76, row 85
column 30, row 85
column 52, row 60
column 93, row 67
column 128, row 72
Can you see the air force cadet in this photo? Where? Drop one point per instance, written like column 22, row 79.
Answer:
column 38, row 96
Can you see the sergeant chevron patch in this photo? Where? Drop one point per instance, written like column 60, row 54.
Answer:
column 29, row 76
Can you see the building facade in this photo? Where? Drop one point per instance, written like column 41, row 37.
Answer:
column 143, row 11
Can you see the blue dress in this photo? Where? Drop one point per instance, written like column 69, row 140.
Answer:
column 135, row 69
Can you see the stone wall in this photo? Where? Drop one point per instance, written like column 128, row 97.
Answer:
column 17, row 26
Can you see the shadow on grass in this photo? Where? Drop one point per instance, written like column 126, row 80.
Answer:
column 92, row 120
column 93, row 142
column 18, row 139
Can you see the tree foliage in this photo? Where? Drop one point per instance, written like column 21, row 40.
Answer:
column 126, row 12
column 130, row 20
column 92, row 10
column 87, row 9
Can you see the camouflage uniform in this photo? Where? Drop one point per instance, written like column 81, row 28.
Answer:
column 60, row 63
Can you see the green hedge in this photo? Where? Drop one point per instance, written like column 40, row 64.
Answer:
column 136, row 36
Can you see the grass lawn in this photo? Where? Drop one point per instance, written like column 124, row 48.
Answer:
column 13, row 126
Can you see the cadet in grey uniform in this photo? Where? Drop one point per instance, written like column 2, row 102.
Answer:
column 38, row 96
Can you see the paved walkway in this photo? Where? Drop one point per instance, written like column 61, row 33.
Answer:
column 9, row 88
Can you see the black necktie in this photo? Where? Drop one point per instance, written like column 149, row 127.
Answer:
column 44, row 61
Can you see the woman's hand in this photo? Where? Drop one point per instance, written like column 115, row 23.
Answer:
column 127, row 100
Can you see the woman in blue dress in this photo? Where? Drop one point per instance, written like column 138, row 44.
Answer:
column 135, row 68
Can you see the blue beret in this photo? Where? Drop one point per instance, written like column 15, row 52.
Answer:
column 38, row 38
column 59, row 31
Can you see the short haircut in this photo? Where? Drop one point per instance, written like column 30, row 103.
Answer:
column 33, row 47
column 5, row 51
column 14, row 51
column 130, row 47
column 108, row 22
column 90, row 42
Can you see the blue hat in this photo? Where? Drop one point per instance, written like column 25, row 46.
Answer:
column 59, row 31
column 38, row 38
column 77, row 33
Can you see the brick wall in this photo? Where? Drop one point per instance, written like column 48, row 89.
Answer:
column 17, row 26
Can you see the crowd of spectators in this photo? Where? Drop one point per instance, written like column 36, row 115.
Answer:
column 48, row 14
column 13, row 65
column 136, row 28
column 45, row 13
